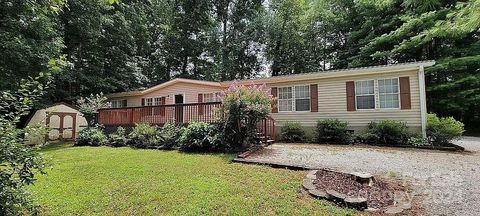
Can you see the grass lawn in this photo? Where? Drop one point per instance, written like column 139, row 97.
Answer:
column 124, row 181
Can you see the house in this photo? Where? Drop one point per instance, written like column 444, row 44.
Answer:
column 63, row 121
column 358, row 95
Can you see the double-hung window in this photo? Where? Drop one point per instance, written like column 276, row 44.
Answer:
column 148, row 101
column 285, row 99
column 119, row 103
column 295, row 98
column 365, row 94
column 302, row 98
column 211, row 97
column 157, row 101
column 388, row 93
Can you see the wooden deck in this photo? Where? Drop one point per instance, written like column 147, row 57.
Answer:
column 174, row 113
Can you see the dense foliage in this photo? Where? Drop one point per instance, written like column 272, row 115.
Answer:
column 89, row 106
column 243, row 108
column 442, row 131
column 144, row 135
column 118, row 138
column 170, row 134
column 386, row 132
column 199, row 136
column 116, row 45
column 19, row 162
column 91, row 136
column 333, row 131
column 292, row 132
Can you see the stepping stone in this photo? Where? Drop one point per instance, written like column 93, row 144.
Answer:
column 363, row 178
column 318, row 194
column 358, row 203
column 336, row 197
column 393, row 210
column 308, row 184
column 312, row 174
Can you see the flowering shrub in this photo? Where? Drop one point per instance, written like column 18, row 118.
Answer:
column 90, row 105
column 243, row 107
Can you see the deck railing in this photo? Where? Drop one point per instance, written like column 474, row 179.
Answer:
column 173, row 113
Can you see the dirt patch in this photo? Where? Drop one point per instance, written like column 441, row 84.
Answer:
column 379, row 193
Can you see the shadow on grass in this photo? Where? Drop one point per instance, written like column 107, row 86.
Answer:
column 56, row 146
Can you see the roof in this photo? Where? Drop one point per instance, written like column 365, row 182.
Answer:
column 293, row 77
column 163, row 85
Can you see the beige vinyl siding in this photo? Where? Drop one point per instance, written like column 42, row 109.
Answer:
column 332, row 103
column 189, row 90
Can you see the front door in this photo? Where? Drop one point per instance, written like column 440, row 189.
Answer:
column 179, row 109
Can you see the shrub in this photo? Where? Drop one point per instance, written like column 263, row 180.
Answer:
column 441, row 131
column 389, row 132
column 89, row 106
column 91, row 136
column 292, row 132
column 144, row 135
column 333, row 131
column 198, row 136
column 170, row 134
column 118, row 138
column 243, row 108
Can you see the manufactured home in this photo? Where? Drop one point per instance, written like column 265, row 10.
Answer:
column 358, row 95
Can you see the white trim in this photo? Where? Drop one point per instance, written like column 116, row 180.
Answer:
column 374, row 94
column 294, row 108
column 423, row 100
column 398, row 93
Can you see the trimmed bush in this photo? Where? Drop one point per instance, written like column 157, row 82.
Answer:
column 118, row 138
column 91, row 136
column 144, row 135
column 442, row 131
column 387, row 132
column 170, row 134
column 198, row 136
column 292, row 132
column 333, row 131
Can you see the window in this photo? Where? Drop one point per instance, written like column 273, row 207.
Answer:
column 285, row 101
column 302, row 98
column 158, row 101
column 211, row 97
column 119, row 103
column 365, row 94
column 388, row 93
column 148, row 101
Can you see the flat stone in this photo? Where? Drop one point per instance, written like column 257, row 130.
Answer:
column 404, row 205
column 393, row 210
column 312, row 174
column 364, row 178
column 318, row 194
column 372, row 210
column 308, row 184
column 335, row 196
column 359, row 203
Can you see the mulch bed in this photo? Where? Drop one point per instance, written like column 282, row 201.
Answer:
column 379, row 194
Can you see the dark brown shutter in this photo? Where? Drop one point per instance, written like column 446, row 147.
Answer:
column 314, row 98
column 274, row 106
column 200, row 108
column 405, row 100
column 162, row 108
column 143, row 101
column 124, row 103
column 351, row 96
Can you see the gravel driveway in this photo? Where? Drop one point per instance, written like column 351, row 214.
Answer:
column 446, row 183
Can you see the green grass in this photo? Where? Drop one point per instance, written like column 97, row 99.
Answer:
column 124, row 181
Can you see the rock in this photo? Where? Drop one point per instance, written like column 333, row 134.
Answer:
column 358, row 203
column 318, row 194
column 336, row 196
column 308, row 184
column 393, row 210
column 372, row 210
column 404, row 205
column 312, row 174
column 363, row 178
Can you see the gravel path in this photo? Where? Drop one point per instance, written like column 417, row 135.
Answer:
column 446, row 183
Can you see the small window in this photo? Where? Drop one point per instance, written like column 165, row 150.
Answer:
column 365, row 94
column 119, row 103
column 149, row 101
column 285, row 99
column 388, row 93
column 157, row 101
column 302, row 98
column 211, row 97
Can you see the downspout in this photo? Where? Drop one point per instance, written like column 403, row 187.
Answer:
column 423, row 100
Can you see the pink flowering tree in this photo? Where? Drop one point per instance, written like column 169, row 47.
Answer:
column 243, row 107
